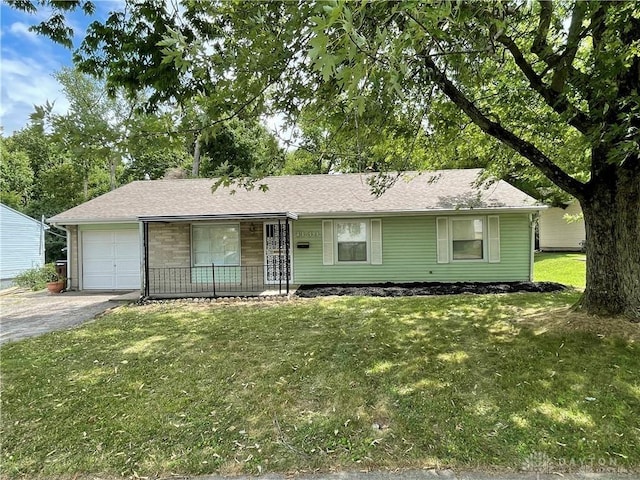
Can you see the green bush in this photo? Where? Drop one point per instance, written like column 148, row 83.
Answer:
column 37, row 278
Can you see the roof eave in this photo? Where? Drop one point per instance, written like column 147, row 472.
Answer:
column 90, row 221
column 432, row 211
column 228, row 216
column 294, row 216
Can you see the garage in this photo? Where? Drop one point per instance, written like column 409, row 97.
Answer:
column 111, row 259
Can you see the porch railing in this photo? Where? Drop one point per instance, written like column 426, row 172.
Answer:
column 215, row 281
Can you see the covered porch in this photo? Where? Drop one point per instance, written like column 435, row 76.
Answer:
column 217, row 255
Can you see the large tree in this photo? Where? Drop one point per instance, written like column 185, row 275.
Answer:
column 16, row 176
column 534, row 76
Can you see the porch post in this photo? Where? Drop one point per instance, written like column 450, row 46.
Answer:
column 287, row 259
column 279, row 256
column 145, row 243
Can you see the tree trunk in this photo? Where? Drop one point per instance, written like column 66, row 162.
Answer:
column 195, row 171
column 612, row 222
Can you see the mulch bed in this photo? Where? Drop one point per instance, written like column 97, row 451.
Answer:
column 433, row 288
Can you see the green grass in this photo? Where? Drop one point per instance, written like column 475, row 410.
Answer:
column 354, row 383
column 565, row 268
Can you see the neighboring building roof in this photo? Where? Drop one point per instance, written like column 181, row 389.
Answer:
column 21, row 215
column 301, row 195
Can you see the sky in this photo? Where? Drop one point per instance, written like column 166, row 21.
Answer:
column 28, row 62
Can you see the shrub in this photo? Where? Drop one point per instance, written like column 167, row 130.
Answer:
column 37, row 278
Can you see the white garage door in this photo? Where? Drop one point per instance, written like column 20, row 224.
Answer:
column 111, row 259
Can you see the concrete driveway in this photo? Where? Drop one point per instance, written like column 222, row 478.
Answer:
column 28, row 314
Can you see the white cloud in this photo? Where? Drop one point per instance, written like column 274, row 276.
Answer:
column 22, row 30
column 28, row 61
column 25, row 83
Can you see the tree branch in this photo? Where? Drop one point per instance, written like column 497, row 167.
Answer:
column 524, row 148
column 555, row 99
column 540, row 47
column 574, row 36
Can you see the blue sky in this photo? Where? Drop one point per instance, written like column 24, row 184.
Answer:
column 27, row 62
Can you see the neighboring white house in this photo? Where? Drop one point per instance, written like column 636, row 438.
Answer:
column 558, row 232
column 21, row 244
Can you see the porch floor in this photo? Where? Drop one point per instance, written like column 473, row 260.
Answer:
column 126, row 297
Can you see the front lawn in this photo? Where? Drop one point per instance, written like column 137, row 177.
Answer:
column 566, row 268
column 481, row 382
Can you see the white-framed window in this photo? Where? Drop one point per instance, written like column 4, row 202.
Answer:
column 352, row 241
column 215, row 244
column 468, row 238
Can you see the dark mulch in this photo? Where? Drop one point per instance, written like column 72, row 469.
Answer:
column 434, row 288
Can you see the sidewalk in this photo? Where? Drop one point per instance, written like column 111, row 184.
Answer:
column 431, row 475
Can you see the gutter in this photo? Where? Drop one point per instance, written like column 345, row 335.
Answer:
column 431, row 211
column 80, row 221
column 229, row 216
column 296, row 215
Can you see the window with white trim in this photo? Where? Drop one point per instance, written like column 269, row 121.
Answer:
column 352, row 241
column 468, row 238
column 215, row 245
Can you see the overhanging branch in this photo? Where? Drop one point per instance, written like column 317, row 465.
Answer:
column 540, row 46
column 555, row 99
column 563, row 69
column 496, row 130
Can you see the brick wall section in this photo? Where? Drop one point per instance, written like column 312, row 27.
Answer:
column 169, row 245
column 252, row 252
column 251, row 244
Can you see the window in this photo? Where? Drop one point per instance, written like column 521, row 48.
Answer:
column 467, row 236
column 351, row 240
column 215, row 245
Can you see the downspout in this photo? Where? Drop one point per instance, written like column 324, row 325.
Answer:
column 68, row 279
column 66, row 230
column 532, row 223
column 42, row 249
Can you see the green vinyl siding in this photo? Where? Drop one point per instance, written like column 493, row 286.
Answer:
column 409, row 255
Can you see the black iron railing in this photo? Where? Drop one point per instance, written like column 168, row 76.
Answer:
column 216, row 281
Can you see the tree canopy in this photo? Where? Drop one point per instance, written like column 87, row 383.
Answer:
column 545, row 90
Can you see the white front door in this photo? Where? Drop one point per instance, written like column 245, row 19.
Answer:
column 111, row 259
column 277, row 259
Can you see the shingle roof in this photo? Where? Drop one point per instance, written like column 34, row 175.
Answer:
column 304, row 195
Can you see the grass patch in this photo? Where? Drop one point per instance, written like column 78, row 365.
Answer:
column 566, row 268
column 461, row 381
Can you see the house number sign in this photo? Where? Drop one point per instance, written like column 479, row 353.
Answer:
column 308, row 234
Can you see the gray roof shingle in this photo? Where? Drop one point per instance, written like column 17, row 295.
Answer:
column 304, row 195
